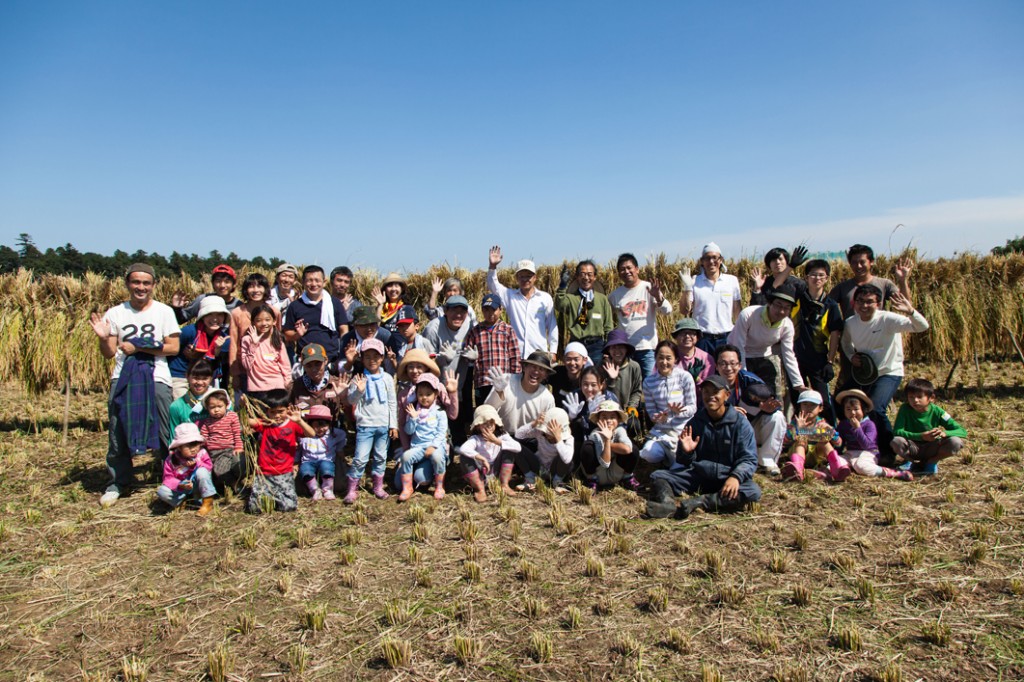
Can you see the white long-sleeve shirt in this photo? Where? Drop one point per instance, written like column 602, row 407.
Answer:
column 519, row 407
column 756, row 337
column 638, row 314
column 532, row 319
column 660, row 392
column 881, row 338
column 546, row 450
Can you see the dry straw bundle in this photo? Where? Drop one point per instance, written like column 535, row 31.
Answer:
column 973, row 302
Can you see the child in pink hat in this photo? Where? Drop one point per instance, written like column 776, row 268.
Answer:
column 317, row 453
column 188, row 471
column 376, row 410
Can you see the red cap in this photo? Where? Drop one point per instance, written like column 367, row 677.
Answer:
column 225, row 269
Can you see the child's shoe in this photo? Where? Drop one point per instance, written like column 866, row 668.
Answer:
column 906, row 466
column 317, row 495
column 314, row 489
column 529, row 483
column 897, row 473
column 838, row 469
column 407, row 488
column 378, row 488
column 477, row 484
column 592, row 484
column 559, row 485
column 793, row 470
column 327, row 490
column 438, row 487
column 353, row 491
column 206, row 507
column 770, row 468
column 629, row 483
column 926, row 468
column 109, row 498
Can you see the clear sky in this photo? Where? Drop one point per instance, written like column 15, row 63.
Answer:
column 394, row 135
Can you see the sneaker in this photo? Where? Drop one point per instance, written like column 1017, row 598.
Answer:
column 109, row 498
column 771, row 470
column 631, row 483
column 926, row 469
column 906, row 466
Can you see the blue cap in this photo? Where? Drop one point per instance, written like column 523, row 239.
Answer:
column 454, row 301
column 491, row 301
column 406, row 314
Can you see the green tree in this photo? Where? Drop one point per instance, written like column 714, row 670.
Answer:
column 1015, row 245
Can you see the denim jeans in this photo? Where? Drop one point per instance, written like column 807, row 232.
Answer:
column 369, row 438
column 202, row 487
column 417, row 453
column 881, row 393
column 119, row 460
column 644, row 358
column 311, row 469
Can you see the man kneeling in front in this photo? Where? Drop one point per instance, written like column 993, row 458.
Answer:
column 719, row 455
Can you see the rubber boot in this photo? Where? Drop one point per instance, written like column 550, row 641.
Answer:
column 327, row 488
column 662, row 503
column 690, row 505
column 314, row 489
column 206, row 507
column 504, row 476
column 477, row 484
column 838, row 469
column 903, row 475
column 793, row 470
column 407, row 488
column 378, row 487
column 353, row 491
column 716, row 503
column 439, row 487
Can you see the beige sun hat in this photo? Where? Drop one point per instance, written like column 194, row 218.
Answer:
column 484, row 414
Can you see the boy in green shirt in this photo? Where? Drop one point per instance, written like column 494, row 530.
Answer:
column 199, row 376
column 925, row 433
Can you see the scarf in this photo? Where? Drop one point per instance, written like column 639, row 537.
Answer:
column 375, row 389
column 389, row 309
column 317, row 387
column 326, row 309
column 586, row 304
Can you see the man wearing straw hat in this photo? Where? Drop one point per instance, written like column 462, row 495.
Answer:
column 138, row 335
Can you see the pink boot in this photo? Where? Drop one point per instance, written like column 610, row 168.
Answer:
column 439, row 487
column 353, row 491
column 793, row 470
column 897, row 473
column 407, row 488
column 378, row 488
column 328, row 488
column 838, row 469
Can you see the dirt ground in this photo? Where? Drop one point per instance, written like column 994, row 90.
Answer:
column 868, row 580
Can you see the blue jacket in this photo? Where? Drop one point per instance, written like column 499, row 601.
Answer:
column 726, row 447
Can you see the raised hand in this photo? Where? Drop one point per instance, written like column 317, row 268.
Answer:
column 451, row 381
column 757, row 277
column 103, row 329
column 903, row 268
column 564, row 277
column 555, row 429
column 611, row 369
column 499, row 380
column 294, row 413
column 494, row 257
column 301, row 327
column 436, row 285
column 573, row 405
column 350, row 350
column 687, row 440
column 378, row 295
column 360, row 381
column 688, row 280
column 901, row 304
column 675, row 408
column 470, row 354
column 178, row 299
column 798, row 258
column 538, row 421
column 410, row 410
column 605, row 432
column 447, row 353
column 656, row 292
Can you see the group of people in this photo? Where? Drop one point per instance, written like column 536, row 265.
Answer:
column 572, row 385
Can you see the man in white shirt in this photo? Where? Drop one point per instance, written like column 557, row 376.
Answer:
column 142, row 326
column 762, row 328
column 531, row 312
column 636, row 304
column 713, row 298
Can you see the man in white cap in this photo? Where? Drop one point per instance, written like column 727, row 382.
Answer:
column 712, row 298
column 531, row 312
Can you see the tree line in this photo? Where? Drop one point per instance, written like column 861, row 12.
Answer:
column 67, row 260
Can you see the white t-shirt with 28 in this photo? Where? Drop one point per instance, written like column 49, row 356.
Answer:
column 157, row 321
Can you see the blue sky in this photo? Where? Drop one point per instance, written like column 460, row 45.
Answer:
column 394, row 135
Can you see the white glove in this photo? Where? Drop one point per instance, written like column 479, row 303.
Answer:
column 687, row 280
column 447, row 353
column 573, row 405
column 595, row 403
column 499, row 380
column 470, row 354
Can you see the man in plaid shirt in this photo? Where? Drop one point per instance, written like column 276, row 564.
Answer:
column 496, row 345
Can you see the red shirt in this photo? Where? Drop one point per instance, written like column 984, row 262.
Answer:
column 277, row 447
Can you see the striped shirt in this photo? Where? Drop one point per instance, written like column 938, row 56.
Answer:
column 675, row 389
column 222, row 434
